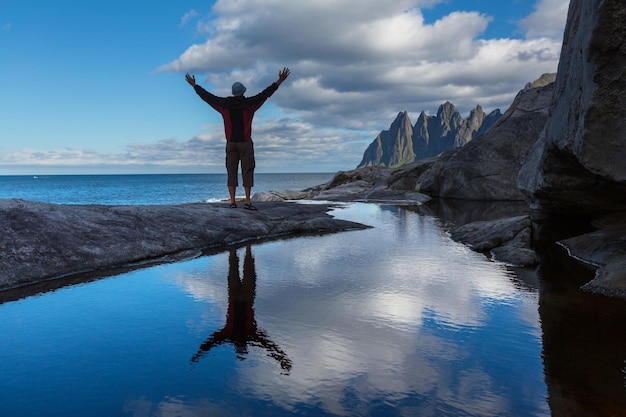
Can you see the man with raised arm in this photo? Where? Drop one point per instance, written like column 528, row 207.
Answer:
column 237, row 112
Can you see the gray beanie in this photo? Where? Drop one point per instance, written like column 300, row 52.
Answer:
column 238, row 89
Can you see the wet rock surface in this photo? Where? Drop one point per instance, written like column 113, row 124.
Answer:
column 508, row 239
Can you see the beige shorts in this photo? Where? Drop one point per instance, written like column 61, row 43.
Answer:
column 244, row 152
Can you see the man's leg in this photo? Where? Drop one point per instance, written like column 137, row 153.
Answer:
column 232, row 165
column 231, row 192
column 247, row 168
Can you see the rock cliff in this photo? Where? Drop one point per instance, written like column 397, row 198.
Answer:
column 577, row 165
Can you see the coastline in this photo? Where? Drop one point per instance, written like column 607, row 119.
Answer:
column 45, row 241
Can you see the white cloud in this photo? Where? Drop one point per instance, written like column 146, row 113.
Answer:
column 355, row 66
column 548, row 19
column 279, row 144
column 190, row 15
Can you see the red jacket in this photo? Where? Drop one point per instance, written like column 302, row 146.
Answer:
column 237, row 111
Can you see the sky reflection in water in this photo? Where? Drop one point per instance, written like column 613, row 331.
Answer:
column 395, row 320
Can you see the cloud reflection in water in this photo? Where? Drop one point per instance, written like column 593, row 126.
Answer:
column 397, row 315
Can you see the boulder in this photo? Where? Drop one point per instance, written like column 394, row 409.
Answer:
column 577, row 165
column 507, row 240
column 486, row 168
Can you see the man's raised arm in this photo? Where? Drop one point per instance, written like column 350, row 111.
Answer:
column 282, row 75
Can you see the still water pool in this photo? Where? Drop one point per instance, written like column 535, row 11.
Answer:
column 396, row 320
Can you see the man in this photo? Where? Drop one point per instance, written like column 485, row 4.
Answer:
column 237, row 112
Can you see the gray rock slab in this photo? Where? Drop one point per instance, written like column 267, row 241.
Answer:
column 43, row 241
column 369, row 184
column 281, row 195
column 517, row 251
column 508, row 239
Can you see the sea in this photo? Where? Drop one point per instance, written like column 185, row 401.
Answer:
column 394, row 320
column 143, row 189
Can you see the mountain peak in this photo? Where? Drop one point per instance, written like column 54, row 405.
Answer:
column 431, row 135
column 446, row 108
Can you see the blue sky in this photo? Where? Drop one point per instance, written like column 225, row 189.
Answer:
column 98, row 87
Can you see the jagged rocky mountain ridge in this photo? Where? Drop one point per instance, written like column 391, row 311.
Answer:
column 405, row 143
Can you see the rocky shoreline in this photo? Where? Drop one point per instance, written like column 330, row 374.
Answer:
column 42, row 241
column 508, row 231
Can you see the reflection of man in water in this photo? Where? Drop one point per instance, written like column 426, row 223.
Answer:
column 241, row 329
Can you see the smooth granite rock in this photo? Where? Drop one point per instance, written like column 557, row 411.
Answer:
column 486, row 168
column 281, row 195
column 508, row 239
column 369, row 184
column 42, row 241
column 577, row 165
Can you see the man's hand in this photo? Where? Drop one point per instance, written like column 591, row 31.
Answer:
column 282, row 75
column 191, row 79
